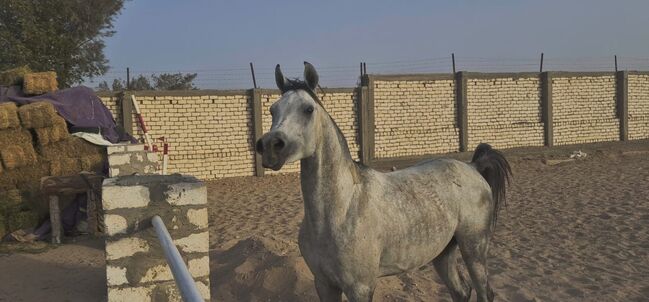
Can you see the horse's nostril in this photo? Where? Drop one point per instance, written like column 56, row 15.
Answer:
column 260, row 146
column 278, row 144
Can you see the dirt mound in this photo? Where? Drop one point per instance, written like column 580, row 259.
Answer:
column 261, row 269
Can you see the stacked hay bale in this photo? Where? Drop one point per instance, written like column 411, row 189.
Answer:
column 34, row 143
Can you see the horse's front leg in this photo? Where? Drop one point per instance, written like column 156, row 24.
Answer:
column 327, row 292
column 361, row 292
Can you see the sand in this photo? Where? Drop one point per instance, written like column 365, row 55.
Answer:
column 574, row 231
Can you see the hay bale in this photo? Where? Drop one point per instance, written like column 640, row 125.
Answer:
column 18, row 155
column 15, row 136
column 18, row 220
column 48, row 135
column 14, row 76
column 65, row 166
column 40, row 82
column 3, row 229
column 70, row 147
column 37, row 115
column 93, row 163
column 28, row 178
column 6, row 182
column 9, row 116
column 10, row 198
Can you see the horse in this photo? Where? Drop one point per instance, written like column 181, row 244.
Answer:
column 361, row 224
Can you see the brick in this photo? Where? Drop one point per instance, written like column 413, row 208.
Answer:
column 157, row 273
column 115, row 224
column 187, row 194
column 127, row 247
column 198, row 217
column 199, row 267
column 129, row 294
column 117, row 197
column 194, row 243
column 116, row 275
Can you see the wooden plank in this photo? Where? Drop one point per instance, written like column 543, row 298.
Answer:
column 55, row 219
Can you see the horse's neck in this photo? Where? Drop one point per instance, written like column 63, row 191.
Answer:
column 327, row 180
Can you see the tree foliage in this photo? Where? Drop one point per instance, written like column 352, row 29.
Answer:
column 163, row 81
column 174, row 81
column 61, row 35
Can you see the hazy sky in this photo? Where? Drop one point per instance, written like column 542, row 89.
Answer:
column 217, row 39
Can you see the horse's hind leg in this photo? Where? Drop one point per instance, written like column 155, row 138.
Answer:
column 474, row 253
column 326, row 291
column 446, row 267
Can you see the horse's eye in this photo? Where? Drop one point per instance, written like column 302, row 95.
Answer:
column 309, row 109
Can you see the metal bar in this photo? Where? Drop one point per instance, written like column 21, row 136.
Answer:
column 184, row 281
column 128, row 78
column 615, row 63
column 453, row 59
column 541, row 67
column 254, row 80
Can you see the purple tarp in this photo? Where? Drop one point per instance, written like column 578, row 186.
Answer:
column 81, row 107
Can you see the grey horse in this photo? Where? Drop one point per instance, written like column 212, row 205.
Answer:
column 360, row 224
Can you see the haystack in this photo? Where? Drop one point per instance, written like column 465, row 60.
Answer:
column 8, row 116
column 37, row 115
column 69, row 147
column 40, row 82
column 14, row 76
column 57, row 132
column 17, row 155
column 34, row 143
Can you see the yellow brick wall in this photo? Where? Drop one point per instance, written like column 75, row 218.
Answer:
column 504, row 112
column 584, row 109
column 414, row 118
column 638, row 106
column 112, row 103
column 210, row 136
column 342, row 108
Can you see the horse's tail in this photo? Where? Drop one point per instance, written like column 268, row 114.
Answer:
column 494, row 168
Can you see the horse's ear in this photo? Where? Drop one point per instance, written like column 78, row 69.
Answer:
column 310, row 76
column 280, row 80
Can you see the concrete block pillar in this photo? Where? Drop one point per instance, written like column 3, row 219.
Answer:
column 129, row 159
column 136, row 268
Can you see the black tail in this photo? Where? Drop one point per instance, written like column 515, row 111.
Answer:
column 493, row 166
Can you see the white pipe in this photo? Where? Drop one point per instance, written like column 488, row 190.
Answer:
column 184, row 281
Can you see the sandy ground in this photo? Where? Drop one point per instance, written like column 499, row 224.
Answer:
column 576, row 231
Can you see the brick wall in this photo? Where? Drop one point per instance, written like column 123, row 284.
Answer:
column 414, row 117
column 210, row 133
column 111, row 101
column 504, row 111
column 211, row 136
column 584, row 109
column 638, row 106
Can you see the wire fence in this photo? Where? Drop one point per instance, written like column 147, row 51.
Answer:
column 349, row 75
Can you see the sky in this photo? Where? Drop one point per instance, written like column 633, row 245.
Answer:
column 218, row 39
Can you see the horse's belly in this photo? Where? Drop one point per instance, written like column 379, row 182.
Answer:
column 412, row 250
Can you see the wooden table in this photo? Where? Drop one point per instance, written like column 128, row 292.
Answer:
column 53, row 186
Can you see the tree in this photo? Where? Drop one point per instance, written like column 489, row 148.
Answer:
column 103, row 86
column 61, row 35
column 118, row 85
column 174, row 81
column 140, row 83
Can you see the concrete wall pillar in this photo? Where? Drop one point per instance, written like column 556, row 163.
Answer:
column 546, row 108
column 622, row 99
column 462, row 116
column 136, row 268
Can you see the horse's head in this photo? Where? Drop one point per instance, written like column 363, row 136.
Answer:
column 296, row 116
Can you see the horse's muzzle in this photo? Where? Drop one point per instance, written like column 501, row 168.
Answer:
column 273, row 149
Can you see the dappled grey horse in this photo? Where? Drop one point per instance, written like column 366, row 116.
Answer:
column 360, row 224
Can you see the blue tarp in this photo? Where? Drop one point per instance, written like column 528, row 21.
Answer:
column 80, row 107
